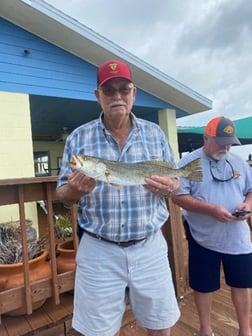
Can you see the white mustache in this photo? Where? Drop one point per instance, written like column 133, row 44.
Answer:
column 117, row 103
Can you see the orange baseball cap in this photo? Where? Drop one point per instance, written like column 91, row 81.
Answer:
column 113, row 69
column 223, row 130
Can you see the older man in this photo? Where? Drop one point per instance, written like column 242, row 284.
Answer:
column 122, row 249
column 216, row 212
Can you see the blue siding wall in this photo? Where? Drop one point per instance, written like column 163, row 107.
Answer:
column 29, row 64
column 45, row 70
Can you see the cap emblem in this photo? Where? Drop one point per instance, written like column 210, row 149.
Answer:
column 113, row 66
column 228, row 129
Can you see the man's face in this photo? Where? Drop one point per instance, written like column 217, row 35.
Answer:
column 215, row 150
column 116, row 97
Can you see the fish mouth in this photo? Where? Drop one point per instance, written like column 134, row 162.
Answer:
column 75, row 162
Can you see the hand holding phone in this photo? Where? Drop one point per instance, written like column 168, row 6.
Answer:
column 240, row 213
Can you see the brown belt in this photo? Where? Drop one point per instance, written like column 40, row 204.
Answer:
column 122, row 244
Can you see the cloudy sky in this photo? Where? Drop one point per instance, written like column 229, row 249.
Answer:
column 206, row 45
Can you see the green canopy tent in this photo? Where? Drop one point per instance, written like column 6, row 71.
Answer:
column 190, row 138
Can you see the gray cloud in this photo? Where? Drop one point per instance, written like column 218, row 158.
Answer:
column 203, row 44
column 226, row 26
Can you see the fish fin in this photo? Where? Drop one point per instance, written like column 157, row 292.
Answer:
column 117, row 186
column 107, row 174
column 160, row 163
column 193, row 170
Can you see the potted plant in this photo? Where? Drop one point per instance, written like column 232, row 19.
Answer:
column 63, row 226
column 65, row 249
column 11, row 262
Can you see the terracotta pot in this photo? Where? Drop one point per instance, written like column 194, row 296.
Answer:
column 12, row 275
column 66, row 257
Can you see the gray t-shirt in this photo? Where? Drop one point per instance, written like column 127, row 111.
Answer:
column 232, row 237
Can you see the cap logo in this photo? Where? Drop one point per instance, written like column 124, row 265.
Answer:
column 113, row 66
column 228, row 129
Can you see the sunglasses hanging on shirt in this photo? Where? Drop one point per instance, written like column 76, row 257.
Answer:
column 215, row 178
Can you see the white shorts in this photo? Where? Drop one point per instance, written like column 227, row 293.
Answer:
column 105, row 271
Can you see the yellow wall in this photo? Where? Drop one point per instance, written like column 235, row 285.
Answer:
column 15, row 136
column 16, row 156
column 167, row 121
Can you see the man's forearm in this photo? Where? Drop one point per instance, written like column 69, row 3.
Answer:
column 67, row 194
column 193, row 204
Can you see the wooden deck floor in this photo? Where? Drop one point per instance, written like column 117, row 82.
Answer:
column 52, row 320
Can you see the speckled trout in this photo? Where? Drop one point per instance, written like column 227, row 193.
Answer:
column 122, row 173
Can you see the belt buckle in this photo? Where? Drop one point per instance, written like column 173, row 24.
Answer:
column 129, row 243
column 126, row 244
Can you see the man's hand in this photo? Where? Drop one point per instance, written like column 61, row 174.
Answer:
column 81, row 183
column 162, row 186
column 221, row 214
column 77, row 186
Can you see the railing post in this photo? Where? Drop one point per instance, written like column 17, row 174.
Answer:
column 55, row 283
column 27, row 287
column 74, row 225
column 174, row 234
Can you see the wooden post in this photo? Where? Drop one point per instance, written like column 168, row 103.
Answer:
column 174, row 234
column 52, row 243
column 74, row 225
column 28, row 299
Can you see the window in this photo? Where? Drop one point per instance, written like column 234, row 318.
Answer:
column 41, row 163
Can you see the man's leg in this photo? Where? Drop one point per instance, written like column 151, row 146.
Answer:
column 203, row 302
column 241, row 300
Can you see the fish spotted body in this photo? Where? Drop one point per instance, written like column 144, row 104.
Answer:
column 122, row 173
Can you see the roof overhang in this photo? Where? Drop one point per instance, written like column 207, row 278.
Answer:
column 47, row 22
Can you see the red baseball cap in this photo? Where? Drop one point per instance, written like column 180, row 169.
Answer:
column 113, row 69
column 223, row 130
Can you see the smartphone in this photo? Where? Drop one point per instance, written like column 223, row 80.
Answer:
column 240, row 213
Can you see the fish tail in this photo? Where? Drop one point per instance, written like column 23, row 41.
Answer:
column 193, row 170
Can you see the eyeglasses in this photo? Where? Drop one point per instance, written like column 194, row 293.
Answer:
column 110, row 91
column 222, row 180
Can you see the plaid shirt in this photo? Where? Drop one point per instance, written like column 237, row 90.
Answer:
column 129, row 212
